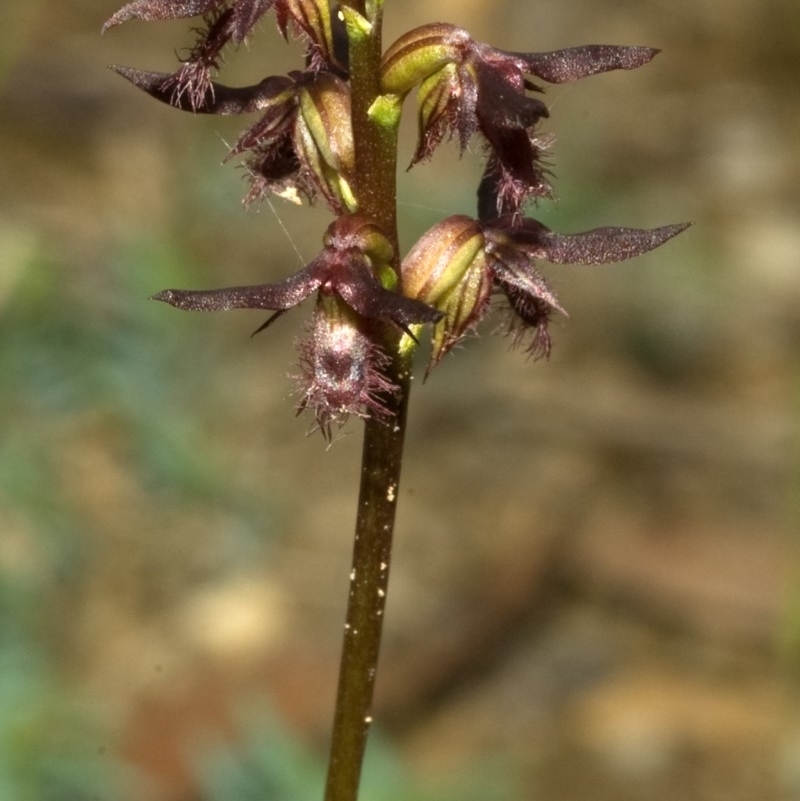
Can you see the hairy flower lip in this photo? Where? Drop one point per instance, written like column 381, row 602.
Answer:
column 512, row 270
column 341, row 369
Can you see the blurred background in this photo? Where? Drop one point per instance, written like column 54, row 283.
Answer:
column 595, row 591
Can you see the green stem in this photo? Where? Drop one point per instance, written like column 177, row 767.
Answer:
column 375, row 145
column 374, row 138
column 382, row 459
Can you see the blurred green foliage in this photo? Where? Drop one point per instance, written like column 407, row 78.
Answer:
column 53, row 742
column 106, row 371
column 266, row 761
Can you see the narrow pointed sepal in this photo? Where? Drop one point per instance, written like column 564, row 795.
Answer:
column 346, row 267
column 238, row 19
column 598, row 246
column 217, row 99
column 572, row 63
column 607, row 245
column 275, row 297
column 155, row 10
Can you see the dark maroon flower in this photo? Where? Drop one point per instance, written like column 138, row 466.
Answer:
column 302, row 144
column 227, row 21
column 355, row 252
column 342, row 371
column 467, row 87
column 457, row 264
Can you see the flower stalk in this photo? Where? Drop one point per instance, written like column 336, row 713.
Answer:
column 381, row 461
column 329, row 132
column 375, row 147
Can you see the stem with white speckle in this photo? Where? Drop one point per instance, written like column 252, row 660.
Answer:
column 382, row 458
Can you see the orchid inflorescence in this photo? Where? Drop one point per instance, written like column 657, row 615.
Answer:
column 302, row 147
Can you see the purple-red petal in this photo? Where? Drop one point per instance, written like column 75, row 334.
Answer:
column 154, row 10
column 264, row 296
column 598, row 246
column 560, row 66
column 246, row 13
column 366, row 296
column 605, row 245
column 219, row 99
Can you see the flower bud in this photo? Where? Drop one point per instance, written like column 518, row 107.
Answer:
column 326, row 111
column 419, row 53
column 313, row 19
column 464, row 307
column 440, row 258
column 447, row 270
column 356, row 232
column 324, row 138
column 434, row 103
